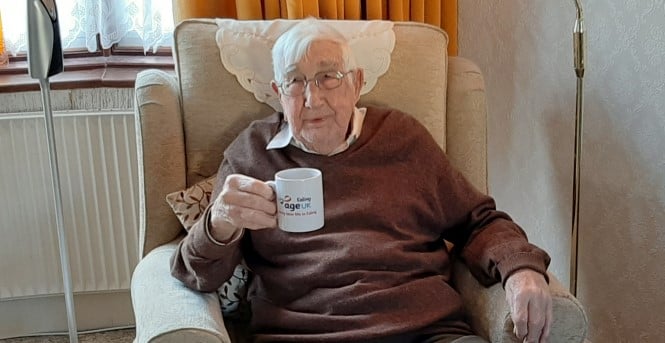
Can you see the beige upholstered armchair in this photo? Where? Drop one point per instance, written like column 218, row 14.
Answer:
column 185, row 122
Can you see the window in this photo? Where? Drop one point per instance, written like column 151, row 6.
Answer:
column 101, row 40
column 97, row 24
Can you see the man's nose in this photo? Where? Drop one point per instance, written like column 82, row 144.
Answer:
column 313, row 95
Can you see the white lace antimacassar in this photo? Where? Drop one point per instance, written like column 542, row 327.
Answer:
column 245, row 51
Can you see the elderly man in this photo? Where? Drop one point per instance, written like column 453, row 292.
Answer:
column 379, row 270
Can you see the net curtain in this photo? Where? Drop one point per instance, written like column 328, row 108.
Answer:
column 82, row 22
column 441, row 13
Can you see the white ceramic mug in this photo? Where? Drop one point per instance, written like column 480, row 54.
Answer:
column 299, row 196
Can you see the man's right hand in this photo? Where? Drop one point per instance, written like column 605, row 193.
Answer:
column 244, row 202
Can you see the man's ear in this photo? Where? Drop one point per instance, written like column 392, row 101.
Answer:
column 359, row 81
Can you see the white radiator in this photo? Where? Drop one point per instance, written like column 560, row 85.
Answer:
column 98, row 172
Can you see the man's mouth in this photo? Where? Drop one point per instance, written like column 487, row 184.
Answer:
column 315, row 121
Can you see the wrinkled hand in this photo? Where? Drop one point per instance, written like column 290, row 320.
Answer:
column 530, row 305
column 244, row 202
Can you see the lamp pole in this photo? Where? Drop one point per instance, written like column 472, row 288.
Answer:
column 579, row 58
column 60, row 225
column 45, row 59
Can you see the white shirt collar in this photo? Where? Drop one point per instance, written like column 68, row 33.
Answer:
column 285, row 137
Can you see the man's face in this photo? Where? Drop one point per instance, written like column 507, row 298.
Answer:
column 320, row 117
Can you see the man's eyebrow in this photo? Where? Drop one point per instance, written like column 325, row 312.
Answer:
column 325, row 65
column 328, row 64
column 292, row 69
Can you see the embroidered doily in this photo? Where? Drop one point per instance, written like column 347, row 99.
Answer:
column 245, row 50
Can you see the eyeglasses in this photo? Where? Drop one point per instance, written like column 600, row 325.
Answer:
column 326, row 80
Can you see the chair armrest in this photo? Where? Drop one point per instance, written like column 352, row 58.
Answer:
column 166, row 311
column 466, row 121
column 161, row 156
column 490, row 316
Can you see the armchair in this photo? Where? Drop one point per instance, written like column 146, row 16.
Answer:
column 185, row 121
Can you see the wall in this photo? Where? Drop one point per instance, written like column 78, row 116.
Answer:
column 525, row 50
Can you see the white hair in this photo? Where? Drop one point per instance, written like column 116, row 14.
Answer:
column 291, row 47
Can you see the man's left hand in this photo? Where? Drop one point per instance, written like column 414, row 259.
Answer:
column 530, row 305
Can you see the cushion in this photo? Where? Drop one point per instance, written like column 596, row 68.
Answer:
column 188, row 205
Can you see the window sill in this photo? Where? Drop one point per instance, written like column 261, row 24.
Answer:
column 84, row 72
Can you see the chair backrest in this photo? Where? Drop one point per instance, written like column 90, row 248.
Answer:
column 215, row 107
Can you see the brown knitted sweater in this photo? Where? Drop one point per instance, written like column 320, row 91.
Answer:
column 379, row 266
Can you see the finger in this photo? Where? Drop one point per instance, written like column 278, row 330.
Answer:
column 255, row 220
column 251, row 185
column 536, row 321
column 248, row 218
column 545, row 337
column 231, row 197
column 519, row 315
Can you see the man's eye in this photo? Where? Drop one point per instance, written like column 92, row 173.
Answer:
column 330, row 75
column 292, row 81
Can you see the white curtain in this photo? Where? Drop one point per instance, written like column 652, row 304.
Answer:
column 146, row 23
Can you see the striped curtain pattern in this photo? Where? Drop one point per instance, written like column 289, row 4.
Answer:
column 441, row 13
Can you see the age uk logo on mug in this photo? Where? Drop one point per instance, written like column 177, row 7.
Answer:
column 299, row 196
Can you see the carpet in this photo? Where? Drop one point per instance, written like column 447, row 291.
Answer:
column 114, row 336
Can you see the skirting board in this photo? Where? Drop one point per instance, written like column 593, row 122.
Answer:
column 48, row 314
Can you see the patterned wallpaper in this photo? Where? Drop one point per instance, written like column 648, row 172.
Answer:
column 525, row 51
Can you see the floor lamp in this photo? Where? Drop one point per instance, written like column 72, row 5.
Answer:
column 45, row 59
column 579, row 57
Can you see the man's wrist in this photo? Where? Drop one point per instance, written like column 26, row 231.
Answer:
column 221, row 236
column 528, row 271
